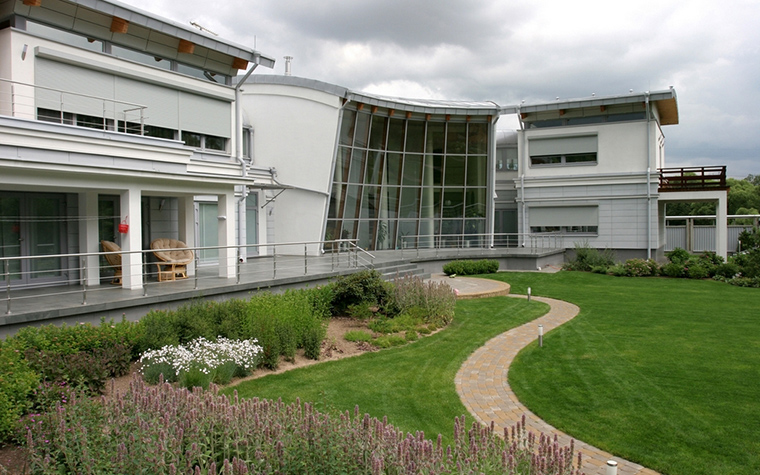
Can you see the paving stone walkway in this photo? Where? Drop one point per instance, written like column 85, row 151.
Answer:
column 483, row 387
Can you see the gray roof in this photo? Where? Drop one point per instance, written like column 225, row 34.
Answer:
column 665, row 100
column 93, row 17
column 425, row 106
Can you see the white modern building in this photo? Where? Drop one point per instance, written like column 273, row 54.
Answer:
column 113, row 116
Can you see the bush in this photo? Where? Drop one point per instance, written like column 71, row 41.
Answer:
column 678, row 256
column 673, row 269
column 618, row 270
column 17, row 384
column 600, row 269
column 88, row 370
column 727, row 270
column 641, row 267
column 697, row 271
column 749, row 239
column 587, row 258
column 470, row 267
column 312, row 343
column 361, row 287
column 153, row 422
column 748, row 262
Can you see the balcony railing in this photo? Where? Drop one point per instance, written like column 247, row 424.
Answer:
column 29, row 101
column 693, row 179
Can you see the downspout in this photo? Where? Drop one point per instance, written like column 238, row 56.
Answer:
column 242, row 238
column 649, row 182
column 492, row 170
column 522, row 175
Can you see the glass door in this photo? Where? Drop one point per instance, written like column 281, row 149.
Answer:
column 208, row 232
column 32, row 225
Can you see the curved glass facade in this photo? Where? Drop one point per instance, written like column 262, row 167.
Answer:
column 408, row 182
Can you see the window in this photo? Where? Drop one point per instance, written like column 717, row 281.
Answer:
column 565, row 219
column 568, row 150
column 565, row 229
column 204, row 142
column 563, row 159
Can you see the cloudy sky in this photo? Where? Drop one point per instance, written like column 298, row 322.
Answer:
column 507, row 51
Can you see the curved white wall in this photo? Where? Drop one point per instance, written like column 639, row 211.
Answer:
column 294, row 131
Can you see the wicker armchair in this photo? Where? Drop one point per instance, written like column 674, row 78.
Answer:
column 114, row 260
column 173, row 258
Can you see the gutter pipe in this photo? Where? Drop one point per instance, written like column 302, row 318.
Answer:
column 523, row 165
column 649, row 180
column 241, row 237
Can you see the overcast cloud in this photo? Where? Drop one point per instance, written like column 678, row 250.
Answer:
column 507, row 51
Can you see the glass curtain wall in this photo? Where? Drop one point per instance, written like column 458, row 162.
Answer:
column 409, row 182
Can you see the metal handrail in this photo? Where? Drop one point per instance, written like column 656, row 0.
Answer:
column 484, row 241
column 78, row 268
column 132, row 106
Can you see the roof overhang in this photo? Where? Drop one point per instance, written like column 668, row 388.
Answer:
column 122, row 24
column 665, row 101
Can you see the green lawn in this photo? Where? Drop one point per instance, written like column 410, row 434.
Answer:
column 664, row 372
column 413, row 385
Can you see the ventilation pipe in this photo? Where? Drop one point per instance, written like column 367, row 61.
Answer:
column 288, row 62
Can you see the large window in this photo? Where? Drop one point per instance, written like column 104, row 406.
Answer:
column 564, row 219
column 559, row 151
column 407, row 182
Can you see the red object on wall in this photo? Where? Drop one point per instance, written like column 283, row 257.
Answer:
column 124, row 227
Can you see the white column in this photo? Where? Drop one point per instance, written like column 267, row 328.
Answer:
column 721, row 226
column 226, row 218
column 186, row 216
column 131, row 262
column 88, row 234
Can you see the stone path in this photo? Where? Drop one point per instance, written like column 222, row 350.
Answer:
column 483, row 387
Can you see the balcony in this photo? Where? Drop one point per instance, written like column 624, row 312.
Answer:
column 693, row 179
column 29, row 101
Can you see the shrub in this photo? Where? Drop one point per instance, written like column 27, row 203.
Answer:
column 697, row 271
column 69, row 339
column 749, row 239
column 641, row 267
column 470, row 267
column 727, row 270
column 17, row 383
column 357, row 335
column 600, row 269
column 361, row 311
column 678, row 256
column 748, row 262
column 618, row 270
column 673, row 269
column 411, row 335
column 587, row 257
column 312, row 342
column 87, row 370
column 148, row 430
column 360, row 287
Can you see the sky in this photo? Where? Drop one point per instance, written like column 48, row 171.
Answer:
column 507, row 51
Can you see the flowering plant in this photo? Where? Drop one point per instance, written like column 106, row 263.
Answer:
column 201, row 361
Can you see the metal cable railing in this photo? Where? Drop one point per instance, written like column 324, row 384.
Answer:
column 32, row 277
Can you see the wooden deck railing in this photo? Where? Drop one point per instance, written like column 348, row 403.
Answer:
column 693, row 179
